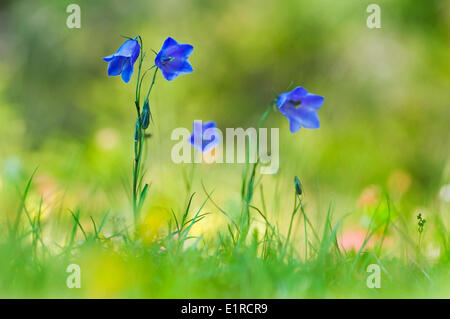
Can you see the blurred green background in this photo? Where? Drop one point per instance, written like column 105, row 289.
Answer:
column 384, row 123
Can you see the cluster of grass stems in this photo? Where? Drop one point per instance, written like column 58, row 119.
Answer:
column 240, row 262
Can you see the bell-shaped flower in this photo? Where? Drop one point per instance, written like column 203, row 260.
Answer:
column 123, row 60
column 204, row 136
column 300, row 108
column 172, row 59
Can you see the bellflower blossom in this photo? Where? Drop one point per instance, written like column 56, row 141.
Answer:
column 172, row 59
column 300, row 108
column 204, row 136
column 123, row 60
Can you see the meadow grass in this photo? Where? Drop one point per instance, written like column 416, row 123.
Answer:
column 240, row 262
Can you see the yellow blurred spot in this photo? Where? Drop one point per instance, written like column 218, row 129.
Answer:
column 209, row 226
column 107, row 139
column 210, row 156
column 154, row 222
column 106, row 275
column 399, row 181
column 369, row 196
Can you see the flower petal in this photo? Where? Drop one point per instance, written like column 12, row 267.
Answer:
column 294, row 125
column 208, row 125
column 196, row 137
column 115, row 66
column 129, row 48
column 295, row 96
column 127, row 71
column 301, row 117
column 297, row 93
column 185, row 68
column 169, row 76
column 209, row 144
column 175, row 68
column 308, row 118
column 312, row 101
column 282, row 98
column 169, row 42
column 109, row 58
column 158, row 62
column 204, row 135
column 182, row 51
column 192, row 141
column 210, row 136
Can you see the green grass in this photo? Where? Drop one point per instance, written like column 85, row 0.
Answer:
column 241, row 261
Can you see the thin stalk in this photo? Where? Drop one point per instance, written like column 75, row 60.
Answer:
column 306, row 232
column 151, row 84
column 138, row 86
column 137, row 140
column 248, row 185
column 292, row 220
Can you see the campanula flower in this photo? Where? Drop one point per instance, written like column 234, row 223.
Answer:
column 204, row 135
column 172, row 59
column 123, row 60
column 300, row 108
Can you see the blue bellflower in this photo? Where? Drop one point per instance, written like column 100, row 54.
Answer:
column 123, row 60
column 204, row 136
column 300, row 108
column 172, row 59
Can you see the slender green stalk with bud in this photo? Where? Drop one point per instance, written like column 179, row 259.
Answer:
column 420, row 223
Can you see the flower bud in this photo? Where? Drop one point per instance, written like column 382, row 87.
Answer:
column 136, row 131
column 145, row 115
column 298, row 186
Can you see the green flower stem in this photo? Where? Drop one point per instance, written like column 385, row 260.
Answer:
column 136, row 168
column 151, row 85
column 306, row 232
column 248, row 185
column 139, row 144
column 138, row 86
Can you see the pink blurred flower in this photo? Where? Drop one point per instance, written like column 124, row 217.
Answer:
column 353, row 240
column 369, row 196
